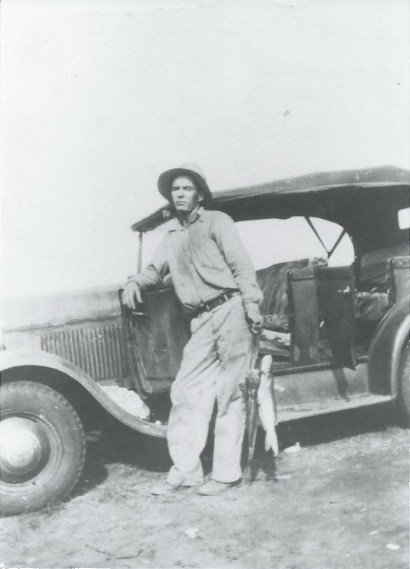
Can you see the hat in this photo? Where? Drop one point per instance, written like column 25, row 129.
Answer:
column 190, row 170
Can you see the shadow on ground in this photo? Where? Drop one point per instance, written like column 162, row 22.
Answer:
column 115, row 443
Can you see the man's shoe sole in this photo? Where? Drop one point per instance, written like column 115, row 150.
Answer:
column 165, row 489
column 213, row 487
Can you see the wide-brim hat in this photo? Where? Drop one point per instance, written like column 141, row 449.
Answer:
column 190, row 170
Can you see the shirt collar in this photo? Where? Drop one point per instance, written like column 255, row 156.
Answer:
column 175, row 225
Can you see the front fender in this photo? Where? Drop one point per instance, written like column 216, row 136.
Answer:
column 385, row 350
column 18, row 358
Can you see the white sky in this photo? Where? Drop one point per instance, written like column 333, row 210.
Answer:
column 98, row 97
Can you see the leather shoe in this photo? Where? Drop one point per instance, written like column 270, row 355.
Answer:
column 214, row 487
column 176, row 477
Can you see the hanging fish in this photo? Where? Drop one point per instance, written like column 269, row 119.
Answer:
column 267, row 407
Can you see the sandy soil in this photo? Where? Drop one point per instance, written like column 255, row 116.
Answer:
column 340, row 502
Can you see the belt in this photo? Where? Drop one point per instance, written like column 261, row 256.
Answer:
column 208, row 306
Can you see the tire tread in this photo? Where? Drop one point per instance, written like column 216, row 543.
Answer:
column 20, row 389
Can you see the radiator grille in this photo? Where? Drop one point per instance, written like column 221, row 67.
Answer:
column 99, row 350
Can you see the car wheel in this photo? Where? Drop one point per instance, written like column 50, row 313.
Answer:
column 403, row 392
column 42, row 447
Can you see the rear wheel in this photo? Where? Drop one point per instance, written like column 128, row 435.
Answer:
column 403, row 392
column 42, row 447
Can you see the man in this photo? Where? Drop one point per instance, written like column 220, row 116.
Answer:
column 214, row 280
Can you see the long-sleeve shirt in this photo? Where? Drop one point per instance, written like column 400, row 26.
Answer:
column 205, row 259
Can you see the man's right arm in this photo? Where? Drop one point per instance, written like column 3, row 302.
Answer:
column 152, row 275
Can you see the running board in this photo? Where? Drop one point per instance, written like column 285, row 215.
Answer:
column 323, row 407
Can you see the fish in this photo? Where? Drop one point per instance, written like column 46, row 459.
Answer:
column 266, row 405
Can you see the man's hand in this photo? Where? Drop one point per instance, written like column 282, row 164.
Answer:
column 255, row 320
column 131, row 295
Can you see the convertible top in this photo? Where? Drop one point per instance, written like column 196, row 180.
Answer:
column 365, row 202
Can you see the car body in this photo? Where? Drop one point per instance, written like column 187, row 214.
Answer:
column 337, row 336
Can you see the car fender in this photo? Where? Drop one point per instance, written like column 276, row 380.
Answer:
column 10, row 359
column 386, row 348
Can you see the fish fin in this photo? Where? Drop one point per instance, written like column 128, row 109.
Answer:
column 271, row 442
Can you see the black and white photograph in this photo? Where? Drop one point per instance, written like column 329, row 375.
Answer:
column 205, row 284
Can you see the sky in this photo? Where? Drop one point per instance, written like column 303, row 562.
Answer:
column 99, row 97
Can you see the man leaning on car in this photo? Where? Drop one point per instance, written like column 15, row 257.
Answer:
column 215, row 281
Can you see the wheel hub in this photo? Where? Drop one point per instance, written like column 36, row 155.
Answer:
column 24, row 449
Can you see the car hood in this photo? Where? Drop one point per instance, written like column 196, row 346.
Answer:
column 59, row 308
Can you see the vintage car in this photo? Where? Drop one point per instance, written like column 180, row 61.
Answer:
column 338, row 336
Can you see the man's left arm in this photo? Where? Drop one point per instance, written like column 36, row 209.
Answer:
column 240, row 264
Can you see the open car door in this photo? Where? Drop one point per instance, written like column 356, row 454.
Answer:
column 336, row 291
column 157, row 334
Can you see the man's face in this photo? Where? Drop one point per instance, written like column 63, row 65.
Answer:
column 184, row 194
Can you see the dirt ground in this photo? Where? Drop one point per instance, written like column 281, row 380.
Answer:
column 340, row 501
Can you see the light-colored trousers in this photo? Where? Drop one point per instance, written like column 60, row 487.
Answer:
column 215, row 361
